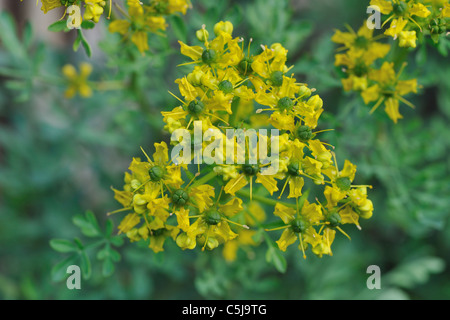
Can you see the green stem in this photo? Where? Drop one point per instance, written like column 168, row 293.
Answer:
column 264, row 200
column 205, row 179
column 95, row 244
column 19, row 74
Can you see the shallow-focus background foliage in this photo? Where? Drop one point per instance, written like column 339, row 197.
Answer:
column 59, row 158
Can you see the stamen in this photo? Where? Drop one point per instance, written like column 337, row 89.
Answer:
column 278, row 228
column 409, row 104
column 284, row 187
column 192, row 180
column 235, row 223
column 182, row 102
column 148, row 158
column 376, row 105
column 119, row 210
column 342, row 231
column 301, row 245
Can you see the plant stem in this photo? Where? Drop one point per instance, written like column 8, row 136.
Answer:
column 268, row 201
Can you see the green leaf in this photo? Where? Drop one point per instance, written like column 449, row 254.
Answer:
column 59, row 270
column 58, row 26
column 179, row 28
column 86, row 47
column 27, row 34
column 108, row 268
column 274, row 256
column 76, row 43
column 109, row 228
column 415, row 272
column 87, row 224
column 87, row 24
column 62, row 245
column 115, row 256
column 117, row 241
column 85, row 265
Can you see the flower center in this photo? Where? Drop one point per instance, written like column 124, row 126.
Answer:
column 226, row 86
column 212, row 217
column 298, row 225
column 245, row 66
column 334, row 219
column 293, row 168
column 361, row 42
column 195, row 107
column 276, row 78
column 400, row 8
column 285, row 103
column 343, row 183
column 209, row 56
column 250, row 169
column 304, row 133
column 180, row 197
column 156, row 173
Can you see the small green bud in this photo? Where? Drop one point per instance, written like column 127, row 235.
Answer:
column 180, row 197
column 195, row 107
column 343, row 183
column 245, row 66
column 334, row 219
column 400, row 8
column 293, row 168
column 285, row 103
column 276, row 78
column 209, row 56
column 298, row 225
column 304, row 133
column 212, row 217
column 250, row 169
column 226, row 86
column 156, row 173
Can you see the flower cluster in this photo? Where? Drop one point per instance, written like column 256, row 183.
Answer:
column 361, row 51
column 144, row 17
column 93, row 9
column 140, row 19
column 411, row 17
column 230, row 89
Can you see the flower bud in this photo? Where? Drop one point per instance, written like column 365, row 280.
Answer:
column 316, row 102
column 185, row 242
column 304, row 92
column 223, row 26
column 202, row 35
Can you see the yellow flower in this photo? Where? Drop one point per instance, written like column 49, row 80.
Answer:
column 407, row 39
column 129, row 222
column 48, row 5
column 77, row 82
column 212, row 227
column 139, row 25
column 94, row 9
column 297, row 224
column 396, row 27
column 324, row 246
column 159, row 236
column 389, row 89
column 361, row 44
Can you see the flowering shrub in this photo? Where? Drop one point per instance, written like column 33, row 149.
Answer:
column 242, row 153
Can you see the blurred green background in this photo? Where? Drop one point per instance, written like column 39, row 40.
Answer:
column 59, row 158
